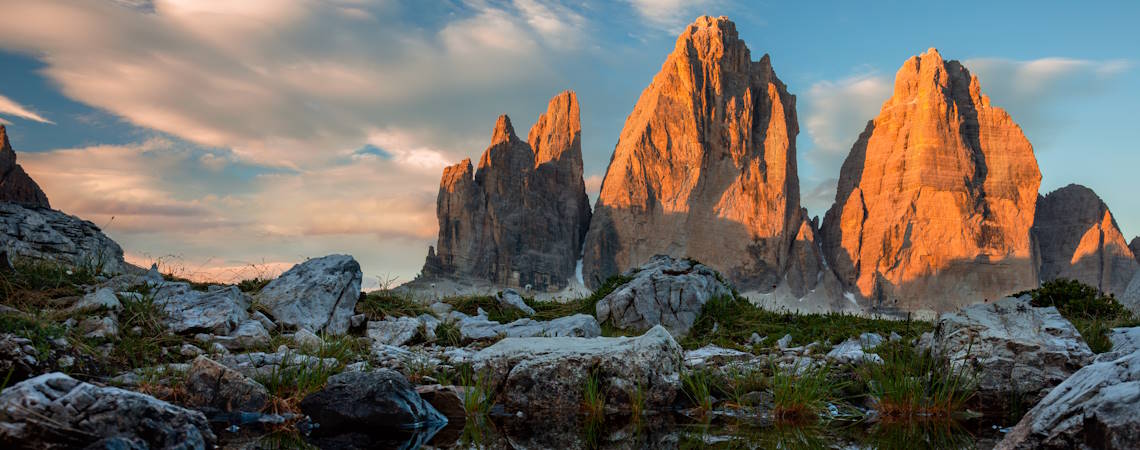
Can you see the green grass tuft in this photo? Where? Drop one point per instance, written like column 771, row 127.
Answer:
column 912, row 384
column 801, row 394
column 378, row 305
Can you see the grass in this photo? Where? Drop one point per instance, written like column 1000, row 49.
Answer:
column 38, row 284
column 637, row 397
column 594, row 395
column 913, row 384
column 735, row 319
column 477, row 391
column 378, row 305
column 698, row 387
column 253, row 285
column 39, row 330
column 289, row 383
column 447, row 333
column 1091, row 312
column 739, row 382
column 801, row 393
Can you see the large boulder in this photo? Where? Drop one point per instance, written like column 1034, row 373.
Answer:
column 213, row 386
column 481, row 328
column 217, row 310
column 1095, row 408
column 664, row 291
column 319, row 294
column 380, row 400
column 519, row 220
column 55, row 411
column 936, row 198
column 1079, row 240
column 705, row 167
column 47, row 234
column 1014, row 348
column 15, row 184
column 550, row 374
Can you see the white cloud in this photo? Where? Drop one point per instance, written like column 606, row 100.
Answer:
column 1036, row 92
column 11, row 108
column 669, row 15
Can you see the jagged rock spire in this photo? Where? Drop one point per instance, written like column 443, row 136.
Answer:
column 15, row 184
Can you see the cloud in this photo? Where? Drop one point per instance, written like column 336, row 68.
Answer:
column 1037, row 92
column 836, row 112
column 669, row 15
column 11, row 108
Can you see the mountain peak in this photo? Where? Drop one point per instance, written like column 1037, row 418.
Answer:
column 15, row 184
column 503, row 130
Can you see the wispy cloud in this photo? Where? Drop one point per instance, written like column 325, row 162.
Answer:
column 670, row 15
column 11, row 108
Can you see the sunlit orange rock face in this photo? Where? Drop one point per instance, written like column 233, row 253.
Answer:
column 935, row 201
column 705, row 167
column 1079, row 240
column 520, row 218
column 15, row 184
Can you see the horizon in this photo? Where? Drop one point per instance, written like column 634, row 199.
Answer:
column 238, row 135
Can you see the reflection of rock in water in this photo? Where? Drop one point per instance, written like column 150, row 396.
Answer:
column 657, row 432
column 397, row 439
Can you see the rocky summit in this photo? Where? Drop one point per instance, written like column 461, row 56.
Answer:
column 15, row 184
column 1079, row 240
column 519, row 220
column 705, row 167
column 935, row 201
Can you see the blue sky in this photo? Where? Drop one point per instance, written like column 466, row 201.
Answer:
column 228, row 137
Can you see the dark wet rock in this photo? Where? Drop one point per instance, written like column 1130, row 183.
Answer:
column 1094, row 408
column 381, row 400
column 664, row 291
column 214, row 386
column 448, row 400
column 55, row 411
column 319, row 294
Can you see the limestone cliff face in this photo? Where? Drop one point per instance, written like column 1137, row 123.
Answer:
column 15, row 184
column 1079, row 240
column 520, row 218
column 935, row 201
column 705, row 167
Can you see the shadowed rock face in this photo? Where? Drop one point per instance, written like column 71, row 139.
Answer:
column 705, row 167
column 520, row 219
column 15, row 184
column 936, row 199
column 1079, row 240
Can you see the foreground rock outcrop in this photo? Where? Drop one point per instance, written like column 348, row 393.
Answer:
column 549, row 374
column 319, row 295
column 15, row 184
column 520, row 219
column 369, row 402
column 47, row 234
column 664, row 291
column 55, row 411
column 1079, row 240
column 936, row 199
column 1094, row 408
column 1015, row 349
column 705, row 167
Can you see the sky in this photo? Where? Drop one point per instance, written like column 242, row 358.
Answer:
column 225, row 140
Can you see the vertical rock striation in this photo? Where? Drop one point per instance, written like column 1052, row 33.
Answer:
column 520, row 218
column 1079, row 240
column 936, row 199
column 15, row 184
column 705, row 168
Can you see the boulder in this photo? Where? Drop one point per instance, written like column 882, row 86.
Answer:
column 705, row 167
column 511, row 299
column 378, row 400
column 319, row 294
column 102, row 298
column 393, row 330
column 448, row 400
column 1094, row 408
column 1079, row 240
column 15, row 184
column 259, row 364
column 306, row 339
column 549, row 374
column 480, row 328
column 250, row 334
column 664, row 291
column 857, row 351
column 47, row 234
column 218, row 310
column 217, row 387
column 520, row 219
column 55, row 411
column 1017, row 350
column 936, row 198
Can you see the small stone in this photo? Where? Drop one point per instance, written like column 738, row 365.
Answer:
column 219, row 349
column 190, row 350
column 784, row 342
column 99, row 327
column 65, row 361
column 440, row 309
column 216, row 386
column 357, row 320
column 511, row 298
column 264, row 320
column 101, row 299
